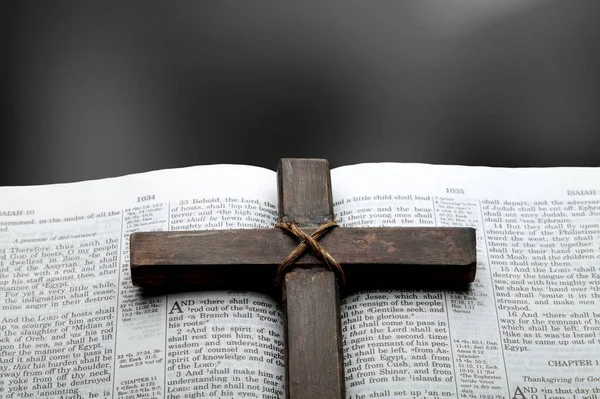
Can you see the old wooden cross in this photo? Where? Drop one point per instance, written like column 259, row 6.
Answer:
column 248, row 259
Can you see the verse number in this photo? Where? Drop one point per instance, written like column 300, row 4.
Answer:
column 145, row 198
column 455, row 191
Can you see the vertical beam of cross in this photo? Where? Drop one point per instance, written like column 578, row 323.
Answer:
column 310, row 295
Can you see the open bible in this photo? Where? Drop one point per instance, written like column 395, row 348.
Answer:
column 72, row 325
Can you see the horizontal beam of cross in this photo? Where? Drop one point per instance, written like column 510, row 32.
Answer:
column 370, row 257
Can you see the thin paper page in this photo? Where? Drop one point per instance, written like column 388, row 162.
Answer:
column 528, row 325
column 73, row 324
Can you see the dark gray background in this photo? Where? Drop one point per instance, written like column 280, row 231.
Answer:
column 99, row 89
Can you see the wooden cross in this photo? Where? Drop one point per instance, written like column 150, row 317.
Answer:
column 248, row 259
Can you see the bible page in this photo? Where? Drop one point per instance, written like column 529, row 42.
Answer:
column 528, row 327
column 72, row 325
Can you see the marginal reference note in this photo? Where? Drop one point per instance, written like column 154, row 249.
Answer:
column 73, row 326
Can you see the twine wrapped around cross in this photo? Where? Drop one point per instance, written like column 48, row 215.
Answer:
column 307, row 242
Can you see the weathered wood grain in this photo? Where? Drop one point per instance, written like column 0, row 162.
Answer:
column 314, row 346
column 304, row 187
column 247, row 259
column 314, row 364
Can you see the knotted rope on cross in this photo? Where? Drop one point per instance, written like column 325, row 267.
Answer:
column 309, row 242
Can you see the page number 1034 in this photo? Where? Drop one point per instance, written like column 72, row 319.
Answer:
column 145, row 198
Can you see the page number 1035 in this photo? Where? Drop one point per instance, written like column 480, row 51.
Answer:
column 455, row 190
